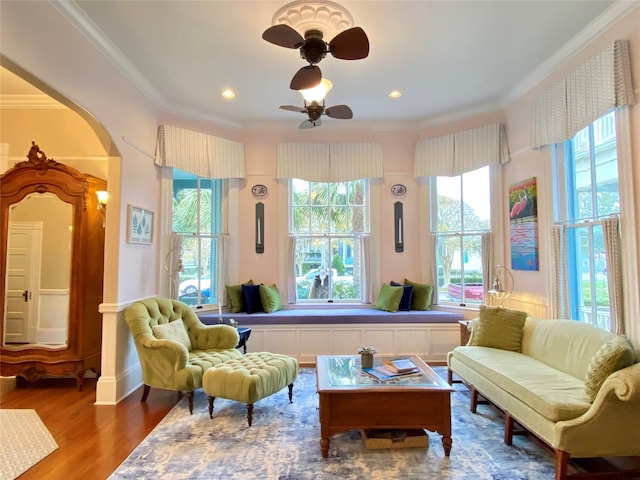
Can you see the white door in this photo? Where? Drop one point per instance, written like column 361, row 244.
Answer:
column 23, row 271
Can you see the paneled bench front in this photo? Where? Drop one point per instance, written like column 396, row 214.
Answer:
column 306, row 332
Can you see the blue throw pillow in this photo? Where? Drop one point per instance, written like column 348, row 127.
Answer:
column 405, row 301
column 252, row 301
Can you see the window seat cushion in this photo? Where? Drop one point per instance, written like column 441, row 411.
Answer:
column 314, row 316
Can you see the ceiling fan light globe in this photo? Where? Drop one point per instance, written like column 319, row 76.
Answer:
column 317, row 93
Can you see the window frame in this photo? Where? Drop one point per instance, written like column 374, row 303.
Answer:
column 432, row 228
column 630, row 271
column 332, row 236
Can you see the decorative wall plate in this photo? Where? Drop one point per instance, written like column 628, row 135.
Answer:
column 259, row 190
column 398, row 189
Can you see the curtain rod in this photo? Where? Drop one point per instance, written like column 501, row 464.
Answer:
column 581, row 222
column 139, row 148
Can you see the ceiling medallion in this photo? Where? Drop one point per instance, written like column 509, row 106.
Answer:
column 328, row 17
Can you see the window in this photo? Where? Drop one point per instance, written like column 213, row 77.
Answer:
column 328, row 220
column 196, row 217
column 460, row 213
column 591, row 193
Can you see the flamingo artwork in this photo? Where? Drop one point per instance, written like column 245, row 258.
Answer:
column 520, row 205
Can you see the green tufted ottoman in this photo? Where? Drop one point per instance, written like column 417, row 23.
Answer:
column 250, row 378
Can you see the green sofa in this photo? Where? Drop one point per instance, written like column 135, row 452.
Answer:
column 174, row 347
column 546, row 387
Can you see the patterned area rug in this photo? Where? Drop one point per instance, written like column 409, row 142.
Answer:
column 283, row 444
column 25, row 441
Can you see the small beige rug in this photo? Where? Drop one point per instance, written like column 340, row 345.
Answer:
column 25, row 441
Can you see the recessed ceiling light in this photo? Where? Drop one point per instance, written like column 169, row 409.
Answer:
column 395, row 94
column 228, row 93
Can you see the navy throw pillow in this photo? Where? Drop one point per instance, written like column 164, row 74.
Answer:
column 405, row 301
column 251, row 296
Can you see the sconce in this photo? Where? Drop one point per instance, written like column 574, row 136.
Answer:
column 499, row 290
column 103, row 196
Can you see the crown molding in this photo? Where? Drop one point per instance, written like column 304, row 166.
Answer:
column 599, row 25
column 77, row 17
column 31, row 101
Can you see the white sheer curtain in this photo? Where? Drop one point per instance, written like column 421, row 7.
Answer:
column 560, row 293
column 487, row 264
column 611, row 233
column 365, row 270
column 173, row 264
column 199, row 153
column 431, row 246
column 291, row 269
column 600, row 84
column 223, row 277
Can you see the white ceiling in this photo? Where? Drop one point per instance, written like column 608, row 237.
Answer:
column 449, row 58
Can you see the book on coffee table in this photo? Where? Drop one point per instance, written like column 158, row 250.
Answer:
column 383, row 374
column 401, row 365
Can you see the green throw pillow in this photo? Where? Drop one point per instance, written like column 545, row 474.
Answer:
column 389, row 298
column 236, row 298
column 173, row 331
column 610, row 357
column 270, row 297
column 499, row 328
column 421, row 296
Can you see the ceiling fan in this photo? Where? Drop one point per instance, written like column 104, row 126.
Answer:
column 315, row 110
column 351, row 44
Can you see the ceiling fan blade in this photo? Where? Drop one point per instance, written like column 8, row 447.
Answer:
column 339, row 111
column 352, row 44
column 310, row 124
column 293, row 108
column 284, row 36
column 306, row 77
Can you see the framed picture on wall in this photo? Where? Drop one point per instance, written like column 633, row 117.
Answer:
column 139, row 225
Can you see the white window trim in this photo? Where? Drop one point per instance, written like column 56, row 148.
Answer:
column 631, row 273
column 498, row 253
column 230, row 225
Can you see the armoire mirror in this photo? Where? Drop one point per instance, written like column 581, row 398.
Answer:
column 52, row 244
column 38, row 273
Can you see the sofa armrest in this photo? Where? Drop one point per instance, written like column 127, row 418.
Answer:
column 610, row 427
column 214, row 337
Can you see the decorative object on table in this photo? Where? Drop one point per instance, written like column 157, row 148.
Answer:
column 233, row 323
column 398, row 190
column 502, row 284
column 139, row 225
column 259, row 227
column 366, row 356
column 399, row 235
column 523, row 225
column 259, row 190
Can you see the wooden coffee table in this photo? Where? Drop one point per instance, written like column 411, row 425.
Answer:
column 350, row 399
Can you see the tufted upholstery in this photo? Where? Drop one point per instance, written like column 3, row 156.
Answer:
column 168, row 364
column 250, row 378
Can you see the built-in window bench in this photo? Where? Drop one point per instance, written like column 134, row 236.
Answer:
column 307, row 332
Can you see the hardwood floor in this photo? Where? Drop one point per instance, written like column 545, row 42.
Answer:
column 92, row 439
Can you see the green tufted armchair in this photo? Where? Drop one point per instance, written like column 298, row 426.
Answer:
column 175, row 347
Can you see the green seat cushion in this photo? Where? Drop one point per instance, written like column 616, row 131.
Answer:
column 612, row 356
column 236, row 298
column 389, row 298
column 421, row 295
column 172, row 331
column 250, row 377
column 499, row 327
column 270, row 297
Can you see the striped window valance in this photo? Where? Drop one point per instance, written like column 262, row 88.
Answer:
column 602, row 83
column 199, row 153
column 329, row 162
column 461, row 152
